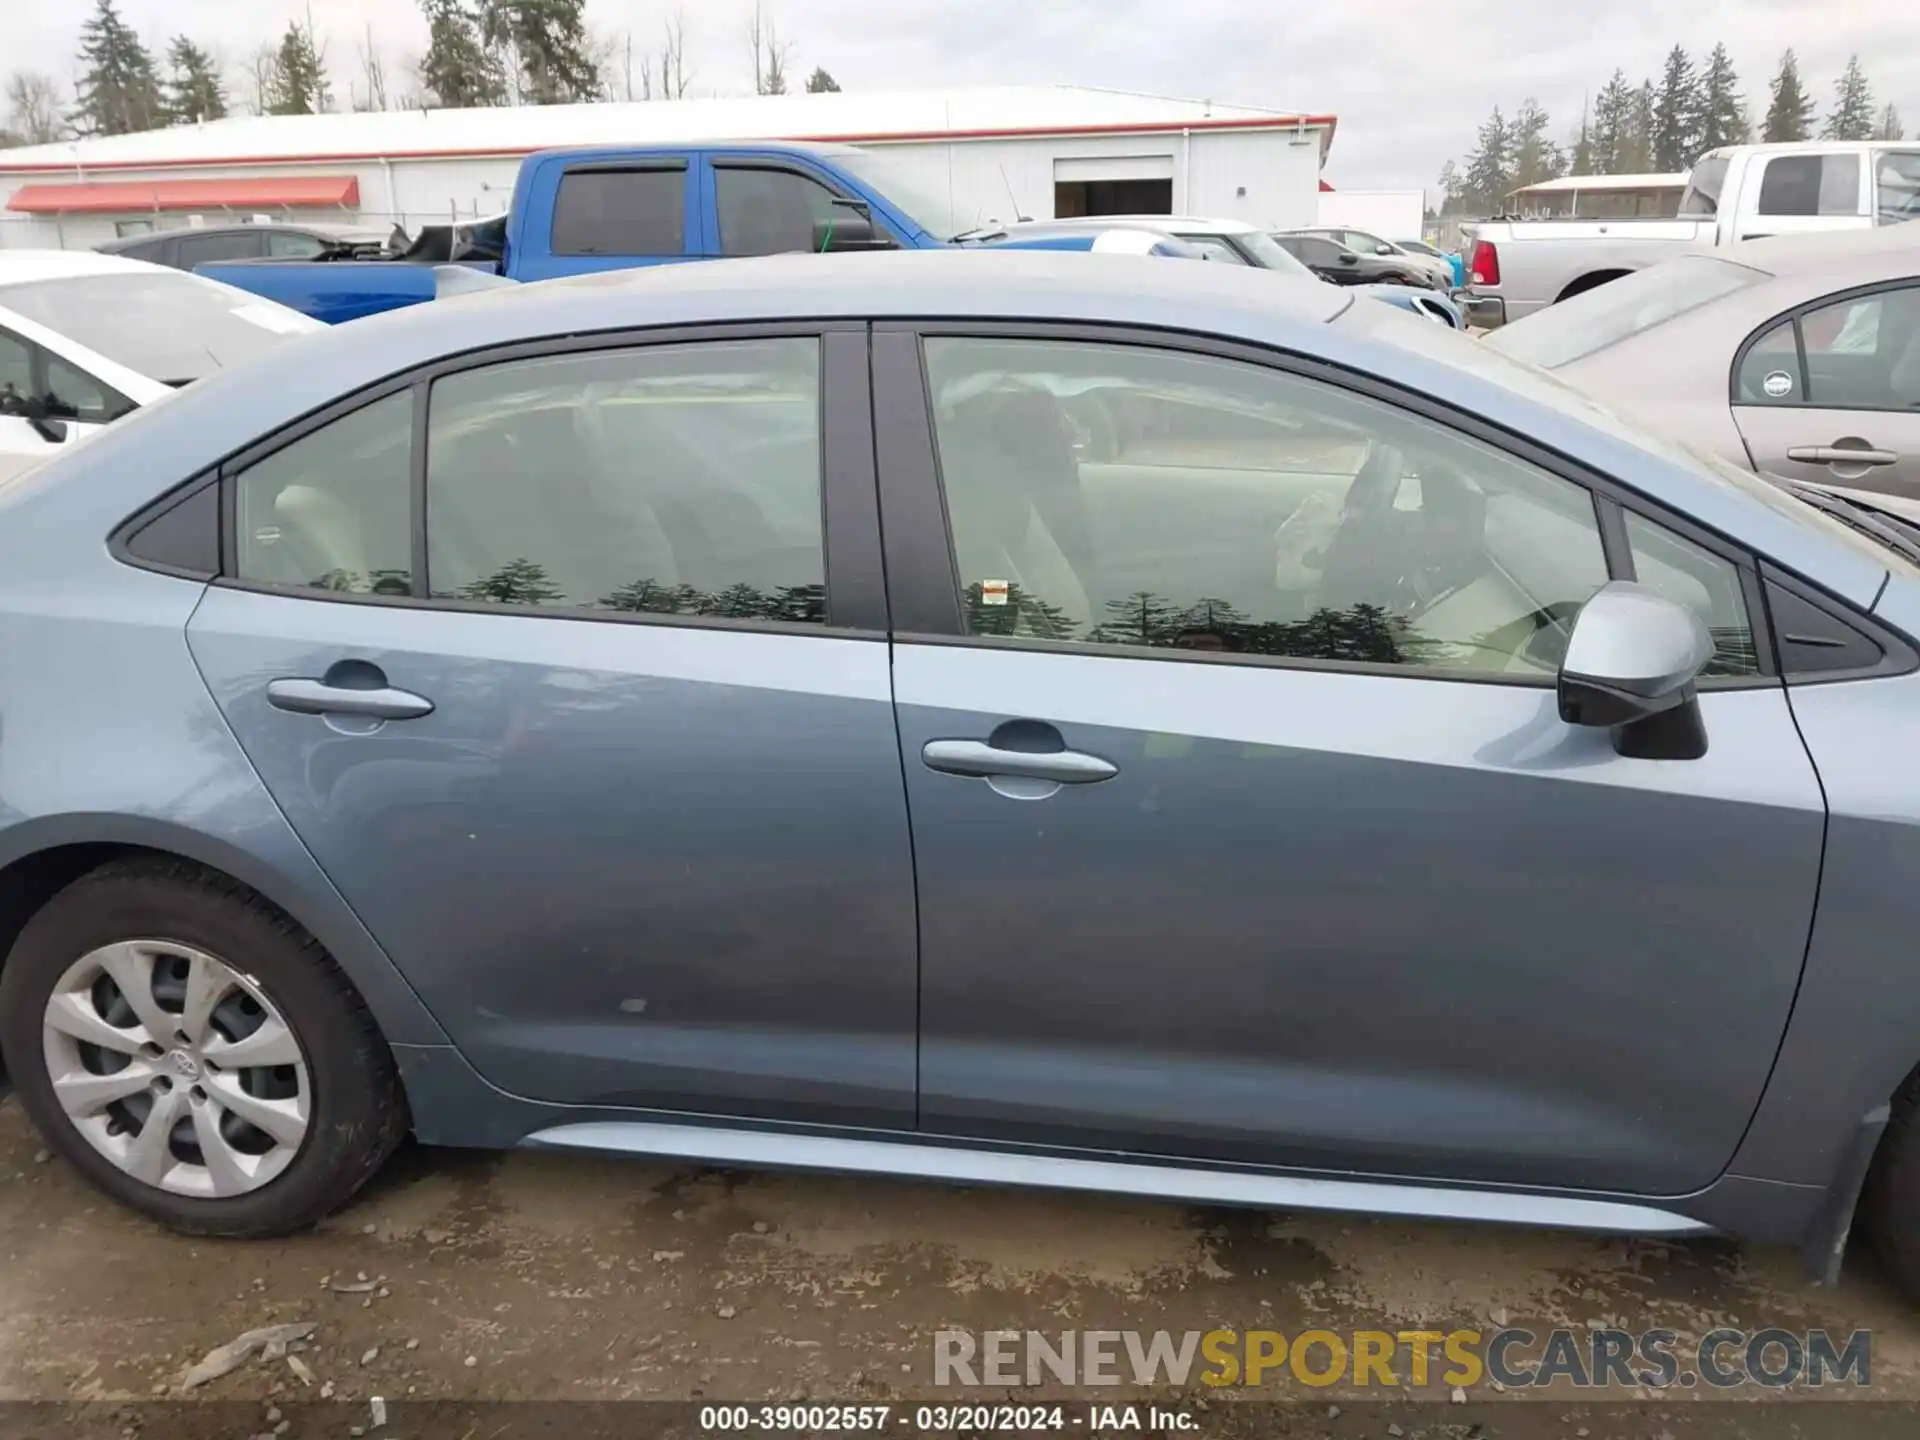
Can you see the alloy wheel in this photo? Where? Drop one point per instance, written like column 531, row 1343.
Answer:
column 177, row 1067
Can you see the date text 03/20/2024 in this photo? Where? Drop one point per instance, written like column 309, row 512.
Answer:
column 943, row 1419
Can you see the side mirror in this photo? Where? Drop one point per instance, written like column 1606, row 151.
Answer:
column 852, row 232
column 47, row 428
column 851, row 228
column 1347, row 257
column 1631, row 667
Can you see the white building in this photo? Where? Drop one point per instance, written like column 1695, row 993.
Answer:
column 1037, row 152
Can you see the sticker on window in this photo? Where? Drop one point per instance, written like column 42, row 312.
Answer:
column 1778, row 384
column 993, row 592
column 272, row 317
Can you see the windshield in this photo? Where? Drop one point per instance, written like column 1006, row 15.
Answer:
column 1420, row 247
column 1608, row 314
column 1270, row 254
column 164, row 324
column 1701, row 199
column 905, row 188
column 1476, row 357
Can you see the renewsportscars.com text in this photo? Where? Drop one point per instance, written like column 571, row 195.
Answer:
column 1511, row 1358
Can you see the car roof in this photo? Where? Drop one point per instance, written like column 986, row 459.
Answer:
column 1177, row 223
column 1836, row 252
column 22, row 267
column 805, row 147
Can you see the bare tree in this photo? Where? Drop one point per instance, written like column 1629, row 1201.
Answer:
column 770, row 53
column 373, row 75
column 34, row 108
column 674, row 78
column 260, row 80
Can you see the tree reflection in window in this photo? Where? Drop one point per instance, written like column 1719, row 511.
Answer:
column 1364, row 634
column 526, row 582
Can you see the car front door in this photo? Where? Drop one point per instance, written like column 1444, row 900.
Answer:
column 1245, row 824
column 1831, row 393
column 604, row 755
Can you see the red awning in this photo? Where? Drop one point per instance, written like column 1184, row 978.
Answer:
column 1325, row 189
column 260, row 193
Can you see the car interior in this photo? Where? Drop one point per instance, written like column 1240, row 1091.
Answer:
column 617, row 481
column 1092, row 504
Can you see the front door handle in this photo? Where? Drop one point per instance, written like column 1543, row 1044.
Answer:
column 1840, row 455
column 984, row 761
column 316, row 697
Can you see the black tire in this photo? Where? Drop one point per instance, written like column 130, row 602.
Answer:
column 1889, row 1214
column 358, row 1111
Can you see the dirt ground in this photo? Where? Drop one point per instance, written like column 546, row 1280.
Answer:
column 533, row 1277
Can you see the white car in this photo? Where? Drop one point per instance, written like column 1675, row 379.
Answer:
column 85, row 338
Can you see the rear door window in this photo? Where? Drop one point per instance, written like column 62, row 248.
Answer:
column 621, row 212
column 1811, row 185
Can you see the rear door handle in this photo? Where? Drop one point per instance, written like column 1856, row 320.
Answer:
column 977, row 758
column 316, row 697
column 1840, row 455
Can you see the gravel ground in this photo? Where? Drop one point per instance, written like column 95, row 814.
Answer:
column 537, row 1277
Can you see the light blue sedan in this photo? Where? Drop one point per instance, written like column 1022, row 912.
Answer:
column 1003, row 718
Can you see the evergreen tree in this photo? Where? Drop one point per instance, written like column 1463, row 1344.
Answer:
column 518, row 582
column 119, row 89
column 547, row 40
column 1790, row 112
column 1677, row 114
column 194, row 90
column 1612, row 118
column 1490, row 168
column 299, row 80
column 1453, row 189
column 821, row 83
column 1852, row 116
column 1533, row 156
column 1723, row 110
column 1889, row 128
column 458, row 70
column 1582, row 161
column 1635, row 155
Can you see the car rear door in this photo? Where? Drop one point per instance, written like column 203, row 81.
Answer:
column 1831, row 393
column 570, row 668
column 1245, row 824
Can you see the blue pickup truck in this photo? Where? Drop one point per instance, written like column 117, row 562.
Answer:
column 577, row 211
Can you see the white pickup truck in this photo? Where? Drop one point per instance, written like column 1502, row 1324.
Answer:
column 1739, row 192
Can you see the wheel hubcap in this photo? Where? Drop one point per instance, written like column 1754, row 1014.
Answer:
column 177, row 1068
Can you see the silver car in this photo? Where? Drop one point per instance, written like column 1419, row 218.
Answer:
column 1003, row 718
column 1798, row 356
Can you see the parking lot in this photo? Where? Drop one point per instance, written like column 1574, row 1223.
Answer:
column 539, row 1277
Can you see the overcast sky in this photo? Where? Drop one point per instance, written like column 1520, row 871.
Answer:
column 1410, row 82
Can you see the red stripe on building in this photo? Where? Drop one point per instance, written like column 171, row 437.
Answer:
column 266, row 192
